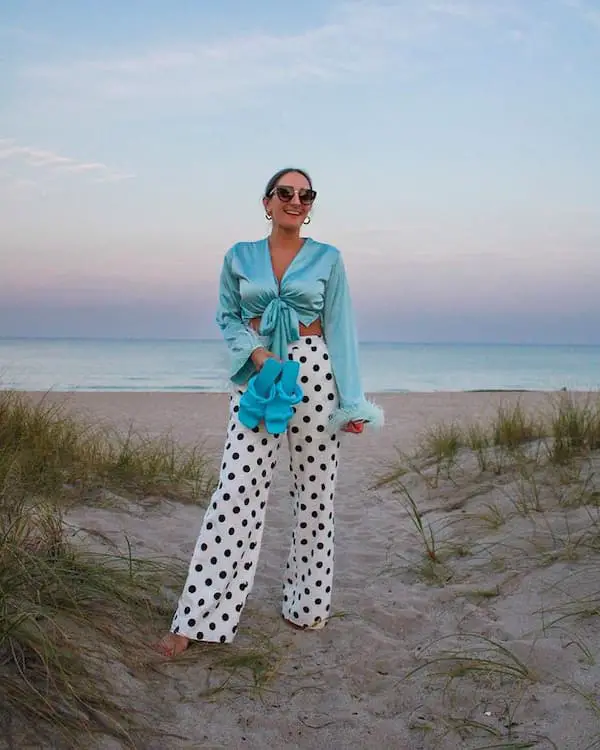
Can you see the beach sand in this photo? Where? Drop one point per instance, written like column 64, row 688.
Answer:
column 348, row 686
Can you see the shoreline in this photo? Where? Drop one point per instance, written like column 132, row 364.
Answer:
column 88, row 366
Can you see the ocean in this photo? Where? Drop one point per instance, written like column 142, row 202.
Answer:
column 201, row 365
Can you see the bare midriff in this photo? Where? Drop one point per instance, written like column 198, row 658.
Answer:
column 313, row 329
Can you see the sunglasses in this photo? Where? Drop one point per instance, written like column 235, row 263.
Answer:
column 285, row 193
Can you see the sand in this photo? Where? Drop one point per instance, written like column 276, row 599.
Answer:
column 348, row 686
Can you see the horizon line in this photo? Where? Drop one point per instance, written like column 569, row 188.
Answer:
column 140, row 339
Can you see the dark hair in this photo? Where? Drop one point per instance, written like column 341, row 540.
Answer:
column 278, row 175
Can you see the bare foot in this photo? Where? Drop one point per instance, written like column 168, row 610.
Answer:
column 172, row 645
column 291, row 624
column 317, row 626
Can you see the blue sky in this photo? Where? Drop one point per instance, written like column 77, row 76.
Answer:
column 454, row 145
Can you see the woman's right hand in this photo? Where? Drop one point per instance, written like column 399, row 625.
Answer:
column 260, row 356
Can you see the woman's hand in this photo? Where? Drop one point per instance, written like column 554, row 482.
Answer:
column 355, row 427
column 260, row 356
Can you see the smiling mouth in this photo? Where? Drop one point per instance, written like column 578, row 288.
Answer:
column 292, row 212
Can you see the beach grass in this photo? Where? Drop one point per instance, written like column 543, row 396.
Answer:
column 73, row 620
column 520, row 493
column 52, row 452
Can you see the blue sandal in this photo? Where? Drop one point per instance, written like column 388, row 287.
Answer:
column 279, row 409
column 259, row 392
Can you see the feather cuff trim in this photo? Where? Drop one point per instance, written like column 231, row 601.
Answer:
column 365, row 410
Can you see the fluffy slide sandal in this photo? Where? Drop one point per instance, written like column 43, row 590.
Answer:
column 259, row 392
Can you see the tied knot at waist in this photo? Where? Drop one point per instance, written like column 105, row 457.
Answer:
column 281, row 324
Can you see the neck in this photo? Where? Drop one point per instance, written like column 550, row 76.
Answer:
column 286, row 239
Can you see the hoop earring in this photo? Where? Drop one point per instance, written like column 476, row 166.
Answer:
column 268, row 217
column 307, row 220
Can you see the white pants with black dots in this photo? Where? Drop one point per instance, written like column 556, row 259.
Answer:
column 223, row 565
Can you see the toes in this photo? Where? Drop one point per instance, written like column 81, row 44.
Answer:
column 163, row 649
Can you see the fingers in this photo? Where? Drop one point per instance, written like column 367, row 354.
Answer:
column 354, row 427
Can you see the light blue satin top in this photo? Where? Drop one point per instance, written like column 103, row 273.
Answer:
column 314, row 286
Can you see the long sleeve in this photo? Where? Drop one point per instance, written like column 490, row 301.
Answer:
column 241, row 340
column 340, row 334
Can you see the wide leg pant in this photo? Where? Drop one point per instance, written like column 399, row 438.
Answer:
column 223, row 565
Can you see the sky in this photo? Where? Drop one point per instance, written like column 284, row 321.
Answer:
column 453, row 144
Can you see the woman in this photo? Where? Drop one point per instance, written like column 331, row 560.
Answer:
column 284, row 297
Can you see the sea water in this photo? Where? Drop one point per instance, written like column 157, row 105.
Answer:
column 201, row 365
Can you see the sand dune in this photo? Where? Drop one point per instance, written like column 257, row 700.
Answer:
column 506, row 571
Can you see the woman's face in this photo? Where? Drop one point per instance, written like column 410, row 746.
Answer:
column 290, row 201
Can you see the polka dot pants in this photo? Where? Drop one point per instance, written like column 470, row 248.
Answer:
column 223, row 565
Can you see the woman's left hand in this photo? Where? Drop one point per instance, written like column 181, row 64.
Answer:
column 355, row 427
